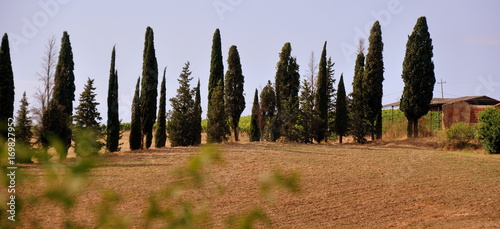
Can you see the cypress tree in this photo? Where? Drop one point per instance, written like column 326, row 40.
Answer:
column 372, row 80
column 23, row 132
column 255, row 119
column 321, row 98
column 233, row 92
column 341, row 114
column 149, row 87
column 359, row 123
column 217, row 125
column 331, row 97
column 6, row 88
column 287, row 89
column 308, row 118
column 113, row 123
column 135, row 138
column 418, row 76
column 268, row 112
column 161, row 131
column 183, row 116
column 197, row 114
column 87, row 131
column 58, row 118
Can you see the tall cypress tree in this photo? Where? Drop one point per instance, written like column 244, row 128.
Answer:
column 113, row 123
column 217, row 125
column 255, row 119
column 331, row 97
column 359, row 123
column 23, row 132
column 372, row 80
column 183, row 117
column 418, row 76
column 6, row 88
column 149, row 88
column 234, row 98
column 321, row 98
column 268, row 113
column 135, row 138
column 308, row 118
column 341, row 115
column 287, row 89
column 161, row 130
column 197, row 114
column 58, row 118
column 87, row 131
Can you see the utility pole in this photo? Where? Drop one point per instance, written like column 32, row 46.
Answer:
column 441, row 82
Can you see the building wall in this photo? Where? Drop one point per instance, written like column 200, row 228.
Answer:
column 459, row 111
column 474, row 112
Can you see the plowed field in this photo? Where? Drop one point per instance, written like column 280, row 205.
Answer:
column 342, row 186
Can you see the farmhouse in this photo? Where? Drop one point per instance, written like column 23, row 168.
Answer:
column 462, row 109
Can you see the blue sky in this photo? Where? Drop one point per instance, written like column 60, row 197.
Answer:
column 466, row 39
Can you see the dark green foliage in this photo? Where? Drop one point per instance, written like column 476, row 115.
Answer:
column 287, row 90
column 418, row 76
column 359, row 124
column 268, row 112
column 135, row 138
column 216, row 65
column 197, row 114
column 308, row 118
column 183, row 116
column 233, row 92
column 6, row 88
column 321, row 98
column 113, row 123
column 255, row 119
column 489, row 130
column 64, row 83
column 57, row 121
column 87, row 117
column 23, row 132
column 331, row 97
column 218, row 126
column 161, row 130
column 341, row 115
column 149, row 88
column 372, row 81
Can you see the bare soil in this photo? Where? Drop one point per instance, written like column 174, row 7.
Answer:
column 377, row 185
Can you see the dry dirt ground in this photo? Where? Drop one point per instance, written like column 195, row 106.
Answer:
column 342, row 186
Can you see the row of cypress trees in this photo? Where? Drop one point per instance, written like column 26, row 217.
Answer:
column 281, row 113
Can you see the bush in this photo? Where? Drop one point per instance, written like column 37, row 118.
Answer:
column 489, row 130
column 460, row 134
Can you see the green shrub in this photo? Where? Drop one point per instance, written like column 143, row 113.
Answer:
column 489, row 130
column 460, row 134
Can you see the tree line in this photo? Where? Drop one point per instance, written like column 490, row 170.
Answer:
column 288, row 109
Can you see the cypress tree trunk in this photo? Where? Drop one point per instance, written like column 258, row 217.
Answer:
column 409, row 127
column 415, row 128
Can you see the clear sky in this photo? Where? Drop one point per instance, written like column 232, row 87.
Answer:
column 466, row 39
